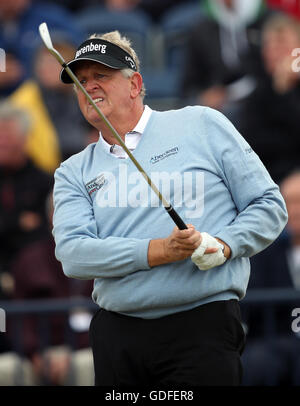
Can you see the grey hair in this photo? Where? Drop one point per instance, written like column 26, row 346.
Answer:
column 8, row 111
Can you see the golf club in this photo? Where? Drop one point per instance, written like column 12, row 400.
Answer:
column 45, row 35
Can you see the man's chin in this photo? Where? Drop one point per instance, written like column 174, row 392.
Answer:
column 95, row 121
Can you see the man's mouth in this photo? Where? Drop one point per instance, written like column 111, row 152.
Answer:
column 99, row 99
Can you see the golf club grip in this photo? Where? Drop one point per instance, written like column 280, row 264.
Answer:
column 176, row 218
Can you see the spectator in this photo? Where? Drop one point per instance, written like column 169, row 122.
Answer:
column 19, row 22
column 154, row 8
column 121, row 5
column 269, row 117
column 157, row 8
column 114, row 5
column 221, row 52
column 23, row 190
column 53, row 136
column 11, row 78
column 275, row 361
column 38, row 275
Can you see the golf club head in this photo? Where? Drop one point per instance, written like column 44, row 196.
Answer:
column 44, row 33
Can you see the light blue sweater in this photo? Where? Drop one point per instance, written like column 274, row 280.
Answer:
column 106, row 214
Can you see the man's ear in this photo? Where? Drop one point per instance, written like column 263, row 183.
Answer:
column 136, row 84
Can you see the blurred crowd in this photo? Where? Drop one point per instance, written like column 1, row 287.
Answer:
column 235, row 56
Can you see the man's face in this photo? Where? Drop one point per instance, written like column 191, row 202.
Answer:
column 228, row 3
column 278, row 45
column 12, row 142
column 110, row 90
column 47, row 70
column 11, row 9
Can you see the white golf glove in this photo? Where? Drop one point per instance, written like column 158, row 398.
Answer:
column 207, row 261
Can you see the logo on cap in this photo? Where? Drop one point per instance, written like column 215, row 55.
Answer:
column 91, row 48
column 130, row 60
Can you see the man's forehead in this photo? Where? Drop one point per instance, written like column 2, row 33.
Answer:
column 84, row 66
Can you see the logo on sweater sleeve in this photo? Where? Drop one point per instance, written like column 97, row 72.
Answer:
column 95, row 184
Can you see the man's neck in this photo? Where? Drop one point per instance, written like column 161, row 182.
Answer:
column 122, row 127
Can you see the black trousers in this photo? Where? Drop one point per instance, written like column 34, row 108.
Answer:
column 192, row 348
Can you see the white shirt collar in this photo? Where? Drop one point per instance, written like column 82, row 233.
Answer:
column 140, row 127
column 132, row 138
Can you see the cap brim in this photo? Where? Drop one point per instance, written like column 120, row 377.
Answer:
column 105, row 60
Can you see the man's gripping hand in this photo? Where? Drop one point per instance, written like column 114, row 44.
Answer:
column 179, row 245
column 203, row 258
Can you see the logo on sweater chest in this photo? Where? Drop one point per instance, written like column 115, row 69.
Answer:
column 157, row 158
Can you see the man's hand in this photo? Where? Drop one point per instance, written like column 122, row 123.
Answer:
column 204, row 261
column 179, row 245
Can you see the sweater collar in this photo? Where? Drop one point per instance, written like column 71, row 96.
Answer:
column 132, row 138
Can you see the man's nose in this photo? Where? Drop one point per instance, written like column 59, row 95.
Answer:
column 91, row 85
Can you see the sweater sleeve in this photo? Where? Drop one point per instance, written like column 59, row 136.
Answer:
column 261, row 211
column 78, row 247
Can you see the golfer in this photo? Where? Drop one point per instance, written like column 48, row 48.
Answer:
column 168, row 298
